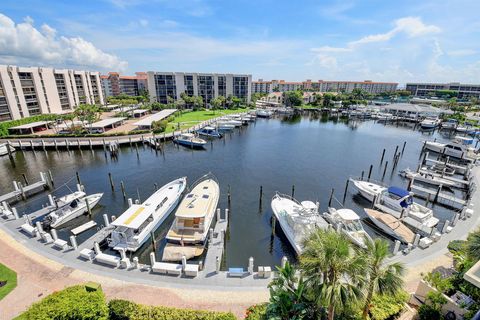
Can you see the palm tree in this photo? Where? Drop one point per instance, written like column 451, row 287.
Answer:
column 381, row 278
column 332, row 270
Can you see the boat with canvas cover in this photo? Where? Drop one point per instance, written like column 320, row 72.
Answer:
column 348, row 222
column 193, row 218
column 391, row 225
column 138, row 222
column 297, row 219
column 210, row 132
column 399, row 203
column 189, row 140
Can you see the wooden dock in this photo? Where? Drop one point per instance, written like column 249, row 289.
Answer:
column 458, row 168
column 25, row 191
column 216, row 246
column 98, row 237
column 442, row 198
column 84, row 227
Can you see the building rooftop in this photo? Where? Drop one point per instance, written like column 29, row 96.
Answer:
column 147, row 122
column 106, row 122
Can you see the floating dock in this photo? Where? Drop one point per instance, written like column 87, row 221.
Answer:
column 98, row 237
column 84, row 227
column 25, row 191
column 216, row 245
column 442, row 198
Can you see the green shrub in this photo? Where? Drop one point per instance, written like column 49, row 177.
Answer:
column 427, row 312
column 126, row 310
column 386, row 306
column 159, row 126
column 74, row 303
column 119, row 309
column 257, row 312
column 440, row 283
column 456, row 246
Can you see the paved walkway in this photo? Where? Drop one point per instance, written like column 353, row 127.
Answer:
column 39, row 276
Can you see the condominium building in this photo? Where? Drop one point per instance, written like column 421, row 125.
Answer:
column 323, row 86
column 28, row 91
column 114, row 84
column 463, row 91
column 162, row 85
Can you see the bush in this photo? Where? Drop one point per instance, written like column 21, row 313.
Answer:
column 126, row 310
column 257, row 312
column 427, row 312
column 119, row 309
column 386, row 306
column 159, row 126
column 74, row 303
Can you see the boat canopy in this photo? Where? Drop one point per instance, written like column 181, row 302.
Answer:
column 134, row 217
column 347, row 214
column 398, row 191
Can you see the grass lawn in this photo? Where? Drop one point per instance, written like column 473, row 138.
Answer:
column 308, row 106
column 190, row 119
column 11, row 277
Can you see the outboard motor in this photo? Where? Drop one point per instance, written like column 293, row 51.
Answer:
column 48, row 221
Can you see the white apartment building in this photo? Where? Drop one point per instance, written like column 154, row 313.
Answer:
column 463, row 91
column 162, row 85
column 322, row 86
column 28, row 91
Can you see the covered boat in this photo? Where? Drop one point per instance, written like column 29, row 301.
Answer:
column 391, row 225
column 348, row 222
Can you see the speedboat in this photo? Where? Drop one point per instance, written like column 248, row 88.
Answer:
column 5, row 148
column 391, row 225
column 348, row 222
column 449, row 124
column 263, row 113
column 399, row 203
column 70, row 207
column 190, row 140
column 224, row 126
column 459, row 148
column 297, row 219
column 188, row 234
column 429, row 123
column 426, row 177
column 209, row 132
column 137, row 223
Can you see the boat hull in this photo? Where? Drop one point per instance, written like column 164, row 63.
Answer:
column 95, row 199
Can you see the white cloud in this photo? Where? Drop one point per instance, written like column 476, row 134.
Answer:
column 331, row 49
column 23, row 43
column 461, row 52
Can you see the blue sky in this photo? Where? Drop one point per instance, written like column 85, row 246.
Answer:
column 292, row 40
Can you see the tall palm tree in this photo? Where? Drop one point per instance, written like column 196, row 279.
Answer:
column 332, row 269
column 381, row 278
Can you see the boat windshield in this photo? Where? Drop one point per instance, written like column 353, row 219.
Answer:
column 354, row 225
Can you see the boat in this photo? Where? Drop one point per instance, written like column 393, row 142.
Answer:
column 5, row 148
column 449, row 124
column 297, row 219
column 189, row 140
column 440, row 168
column 192, row 221
column 263, row 113
column 139, row 221
column 391, row 225
column 209, row 132
column 429, row 123
column 426, row 177
column 70, row 207
column 224, row 126
column 459, row 148
column 399, row 203
column 348, row 222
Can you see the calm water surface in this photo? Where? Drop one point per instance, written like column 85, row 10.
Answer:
column 313, row 154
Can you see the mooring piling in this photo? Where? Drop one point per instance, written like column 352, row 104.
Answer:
column 345, row 192
column 88, row 208
column 111, row 181
column 260, row 198
column 331, row 197
column 293, row 191
column 383, row 155
column 363, row 173
column 25, row 179
column 385, row 169
column 122, row 186
column 370, row 172
column 395, row 153
column 78, row 178
column 404, row 144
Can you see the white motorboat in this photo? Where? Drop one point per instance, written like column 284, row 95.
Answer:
column 4, row 149
column 424, row 176
column 399, row 203
column 459, row 148
column 189, row 140
column 71, row 207
column 297, row 219
column 188, row 233
column 429, row 123
column 224, row 126
column 449, row 124
column 391, row 225
column 348, row 222
column 263, row 113
column 137, row 223
column 209, row 132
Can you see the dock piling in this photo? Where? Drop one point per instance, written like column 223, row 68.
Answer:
column 250, row 265
column 385, row 169
column 111, row 181
column 15, row 213
column 404, row 144
column 445, row 226
column 455, row 219
column 54, row 234
column 25, row 179
column 345, row 192
column 370, row 172
column 383, row 155
column 397, row 247
column 105, row 220
column 154, row 242
column 50, row 176
column 38, row 224
column 226, row 216
column 73, row 242
column 293, row 191
column 218, row 214
column 416, row 240
column 122, row 186
column 273, row 225
column 331, row 197
column 260, row 198
column 395, row 153
column 436, row 195
column 229, row 197
column 283, row 262
column 78, row 178
column 89, row 210
column 130, row 202
column 363, row 173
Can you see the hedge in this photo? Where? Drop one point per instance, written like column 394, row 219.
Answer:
column 73, row 303
column 126, row 310
column 386, row 306
column 257, row 312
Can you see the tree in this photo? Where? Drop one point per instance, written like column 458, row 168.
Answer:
column 197, row 102
column 288, row 296
column 217, row 102
column 472, row 245
column 257, row 96
column 293, row 98
column 87, row 112
column 179, row 104
column 332, row 270
column 381, row 278
column 236, row 102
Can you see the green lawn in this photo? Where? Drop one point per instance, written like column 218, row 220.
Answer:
column 308, row 106
column 11, row 277
column 190, row 119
